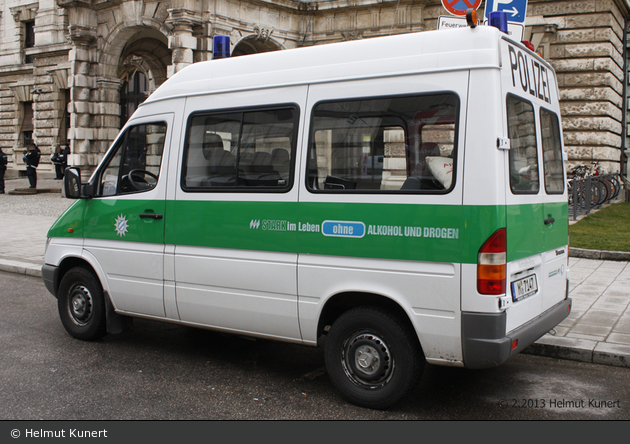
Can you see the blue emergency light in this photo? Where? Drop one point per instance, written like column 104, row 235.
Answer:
column 221, row 46
column 499, row 19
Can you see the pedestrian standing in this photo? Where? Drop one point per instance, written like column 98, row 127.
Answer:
column 3, row 168
column 60, row 160
column 55, row 161
column 31, row 158
column 63, row 155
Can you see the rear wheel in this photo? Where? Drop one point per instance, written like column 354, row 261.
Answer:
column 373, row 358
column 81, row 305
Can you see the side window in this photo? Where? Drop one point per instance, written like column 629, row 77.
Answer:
column 523, row 148
column 134, row 165
column 552, row 152
column 402, row 144
column 240, row 150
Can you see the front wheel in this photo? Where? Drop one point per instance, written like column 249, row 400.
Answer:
column 373, row 358
column 81, row 305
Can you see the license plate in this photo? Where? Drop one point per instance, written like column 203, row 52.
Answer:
column 524, row 287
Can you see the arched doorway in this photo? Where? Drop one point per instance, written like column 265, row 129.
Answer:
column 255, row 44
column 142, row 69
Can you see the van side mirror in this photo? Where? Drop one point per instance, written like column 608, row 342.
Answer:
column 72, row 183
column 73, row 187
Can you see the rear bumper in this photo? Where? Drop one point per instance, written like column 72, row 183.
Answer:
column 485, row 343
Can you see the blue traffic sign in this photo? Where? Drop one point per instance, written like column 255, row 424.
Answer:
column 516, row 9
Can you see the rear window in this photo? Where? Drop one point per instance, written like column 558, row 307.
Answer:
column 552, row 152
column 398, row 144
column 523, row 147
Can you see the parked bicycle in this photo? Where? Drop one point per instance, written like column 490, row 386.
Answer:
column 589, row 187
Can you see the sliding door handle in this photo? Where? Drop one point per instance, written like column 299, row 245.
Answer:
column 150, row 216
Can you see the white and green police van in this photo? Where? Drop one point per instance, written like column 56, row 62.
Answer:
column 400, row 200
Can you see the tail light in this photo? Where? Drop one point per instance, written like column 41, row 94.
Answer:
column 491, row 264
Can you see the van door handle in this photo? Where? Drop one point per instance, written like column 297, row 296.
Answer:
column 549, row 220
column 150, row 216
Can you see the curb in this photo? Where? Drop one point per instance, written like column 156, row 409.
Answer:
column 582, row 350
column 19, row 267
column 599, row 254
column 24, row 191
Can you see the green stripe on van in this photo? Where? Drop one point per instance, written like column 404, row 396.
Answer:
column 527, row 233
column 435, row 233
column 557, row 235
column 443, row 233
column 70, row 223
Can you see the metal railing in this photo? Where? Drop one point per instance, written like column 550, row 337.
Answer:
column 591, row 192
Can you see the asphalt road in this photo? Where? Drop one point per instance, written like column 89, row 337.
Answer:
column 165, row 371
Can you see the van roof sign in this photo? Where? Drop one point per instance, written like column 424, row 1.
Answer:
column 527, row 74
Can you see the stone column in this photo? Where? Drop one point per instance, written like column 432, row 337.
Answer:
column 106, row 117
column 45, row 112
column 82, row 85
column 182, row 42
column 394, row 161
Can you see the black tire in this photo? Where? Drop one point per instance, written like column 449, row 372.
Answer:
column 81, row 305
column 602, row 191
column 616, row 187
column 373, row 358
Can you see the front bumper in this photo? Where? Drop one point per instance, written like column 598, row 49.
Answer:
column 50, row 275
column 485, row 343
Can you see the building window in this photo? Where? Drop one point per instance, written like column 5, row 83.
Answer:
column 134, row 92
column 65, row 120
column 29, row 38
column 26, row 132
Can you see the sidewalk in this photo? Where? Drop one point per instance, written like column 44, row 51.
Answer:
column 597, row 330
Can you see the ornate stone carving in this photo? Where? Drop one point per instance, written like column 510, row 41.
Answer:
column 351, row 35
column 24, row 12
column 262, row 34
column 79, row 34
column 183, row 17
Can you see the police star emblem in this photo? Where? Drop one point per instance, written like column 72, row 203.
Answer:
column 121, row 225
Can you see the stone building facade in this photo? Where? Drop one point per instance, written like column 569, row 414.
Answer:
column 74, row 70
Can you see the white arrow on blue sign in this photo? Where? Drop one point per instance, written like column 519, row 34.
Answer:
column 516, row 9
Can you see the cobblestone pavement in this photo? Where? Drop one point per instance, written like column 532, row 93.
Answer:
column 598, row 328
column 49, row 203
column 25, row 220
